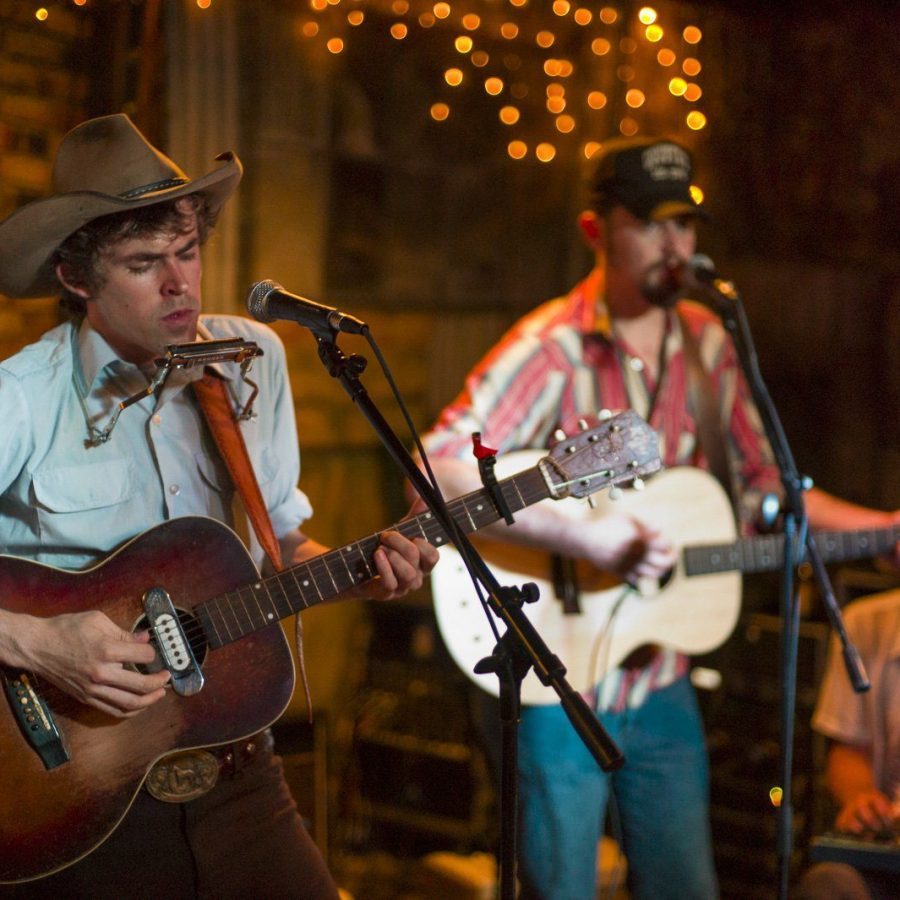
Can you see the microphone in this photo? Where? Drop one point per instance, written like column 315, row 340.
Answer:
column 701, row 270
column 268, row 301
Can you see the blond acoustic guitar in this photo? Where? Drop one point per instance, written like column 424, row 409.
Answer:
column 589, row 619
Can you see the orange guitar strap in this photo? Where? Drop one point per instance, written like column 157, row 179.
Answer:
column 218, row 412
column 702, row 404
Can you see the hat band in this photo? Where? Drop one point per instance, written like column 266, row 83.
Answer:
column 150, row 188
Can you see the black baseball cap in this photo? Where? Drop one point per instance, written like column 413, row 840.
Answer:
column 650, row 177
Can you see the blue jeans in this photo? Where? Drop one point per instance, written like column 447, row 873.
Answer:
column 661, row 795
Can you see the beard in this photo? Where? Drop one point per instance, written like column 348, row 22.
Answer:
column 663, row 291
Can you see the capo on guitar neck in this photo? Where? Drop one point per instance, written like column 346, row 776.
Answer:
column 487, row 459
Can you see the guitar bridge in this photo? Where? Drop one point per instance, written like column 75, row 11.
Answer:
column 172, row 644
column 34, row 718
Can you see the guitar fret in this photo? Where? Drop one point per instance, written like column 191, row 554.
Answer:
column 469, row 516
column 308, row 579
column 364, row 559
column 261, row 589
column 283, row 607
column 210, row 629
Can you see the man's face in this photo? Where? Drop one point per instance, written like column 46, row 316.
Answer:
column 150, row 294
column 648, row 254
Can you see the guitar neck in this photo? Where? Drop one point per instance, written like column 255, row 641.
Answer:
column 236, row 614
column 765, row 553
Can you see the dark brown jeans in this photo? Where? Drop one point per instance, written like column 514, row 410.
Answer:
column 243, row 839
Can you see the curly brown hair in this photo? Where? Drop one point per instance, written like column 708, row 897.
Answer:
column 82, row 252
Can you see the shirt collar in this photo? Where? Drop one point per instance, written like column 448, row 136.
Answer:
column 589, row 294
column 95, row 355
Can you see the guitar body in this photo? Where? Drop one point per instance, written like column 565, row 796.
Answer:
column 692, row 615
column 51, row 818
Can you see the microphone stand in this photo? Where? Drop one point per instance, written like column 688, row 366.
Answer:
column 519, row 648
column 722, row 296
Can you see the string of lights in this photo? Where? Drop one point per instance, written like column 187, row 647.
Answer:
column 560, row 72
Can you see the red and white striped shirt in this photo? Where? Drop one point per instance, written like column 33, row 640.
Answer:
column 564, row 361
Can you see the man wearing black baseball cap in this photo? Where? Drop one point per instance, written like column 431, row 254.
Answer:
column 622, row 338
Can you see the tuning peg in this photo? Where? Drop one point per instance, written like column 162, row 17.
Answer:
column 592, row 503
column 583, row 424
column 559, row 435
column 638, row 484
column 615, row 492
column 604, row 415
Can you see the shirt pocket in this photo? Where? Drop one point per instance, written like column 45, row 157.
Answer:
column 91, row 506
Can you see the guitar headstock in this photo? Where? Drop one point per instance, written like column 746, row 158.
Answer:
column 617, row 451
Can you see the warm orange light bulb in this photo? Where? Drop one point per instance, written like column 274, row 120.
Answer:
column 692, row 92
column 517, row 149
column 635, row 98
column 665, row 57
column 695, row 120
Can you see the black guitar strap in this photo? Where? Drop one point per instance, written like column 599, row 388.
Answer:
column 701, row 398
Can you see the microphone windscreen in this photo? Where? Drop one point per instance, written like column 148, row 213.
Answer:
column 257, row 300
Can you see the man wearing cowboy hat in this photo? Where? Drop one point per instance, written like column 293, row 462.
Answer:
column 120, row 238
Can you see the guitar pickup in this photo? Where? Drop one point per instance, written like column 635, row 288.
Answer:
column 172, row 644
column 34, row 718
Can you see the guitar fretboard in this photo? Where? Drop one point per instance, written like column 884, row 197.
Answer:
column 765, row 553
column 238, row 613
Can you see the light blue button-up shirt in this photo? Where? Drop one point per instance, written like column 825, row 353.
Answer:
column 68, row 504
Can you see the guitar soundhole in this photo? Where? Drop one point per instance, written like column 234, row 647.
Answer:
column 193, row 632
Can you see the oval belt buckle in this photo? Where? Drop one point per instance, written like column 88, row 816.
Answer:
column 183, row 776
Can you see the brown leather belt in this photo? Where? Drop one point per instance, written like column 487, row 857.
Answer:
column 189, row 774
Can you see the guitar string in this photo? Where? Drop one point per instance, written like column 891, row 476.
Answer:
column 318, row 567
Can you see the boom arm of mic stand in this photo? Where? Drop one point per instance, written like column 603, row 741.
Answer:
column 547, row 666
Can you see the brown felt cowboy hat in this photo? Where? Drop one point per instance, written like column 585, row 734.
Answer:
column 103, row 166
